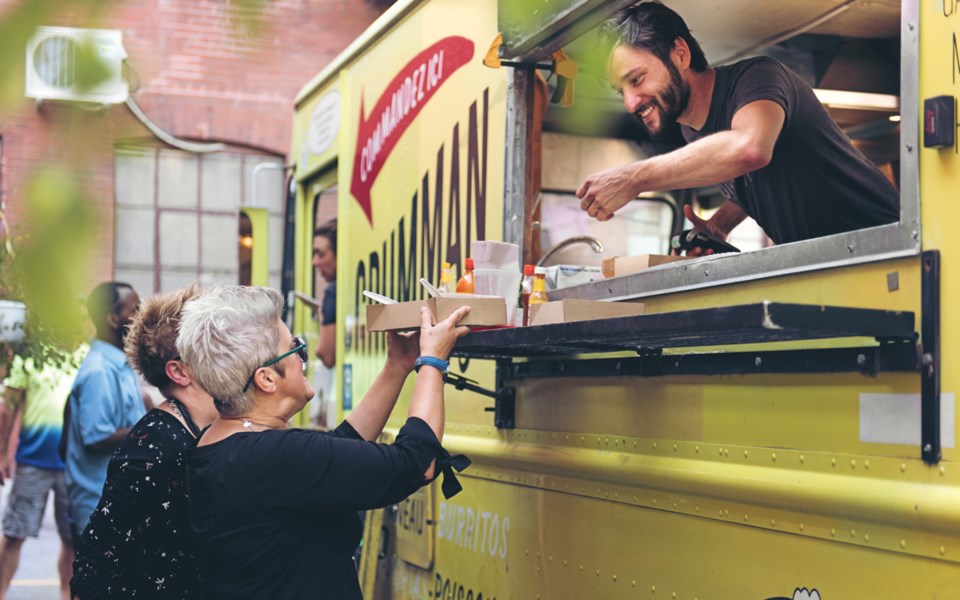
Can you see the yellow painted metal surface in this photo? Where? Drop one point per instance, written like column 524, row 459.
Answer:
column 722, row 487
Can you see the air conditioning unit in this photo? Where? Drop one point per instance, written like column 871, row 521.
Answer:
column 77, row 65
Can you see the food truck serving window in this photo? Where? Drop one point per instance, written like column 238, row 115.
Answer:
column 849, row 52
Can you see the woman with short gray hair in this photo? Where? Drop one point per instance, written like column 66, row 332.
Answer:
column 274, row 510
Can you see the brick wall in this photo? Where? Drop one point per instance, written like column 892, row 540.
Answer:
column 203, row 74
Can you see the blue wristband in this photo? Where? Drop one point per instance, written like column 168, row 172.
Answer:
column 431, row 361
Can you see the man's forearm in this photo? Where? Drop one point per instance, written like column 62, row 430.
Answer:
column 708, row 161
column 728, row 216
column 111, row 443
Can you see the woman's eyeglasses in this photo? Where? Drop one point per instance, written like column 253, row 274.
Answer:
column 299, row 347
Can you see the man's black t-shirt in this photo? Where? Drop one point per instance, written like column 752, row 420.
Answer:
column 817, row 183
column 328, row 310
column 274, row 513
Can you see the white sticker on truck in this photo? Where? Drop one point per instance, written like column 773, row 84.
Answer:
column 895, row 419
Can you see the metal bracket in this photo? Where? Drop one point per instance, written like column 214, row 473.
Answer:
column 504, row 397
column 930, row 357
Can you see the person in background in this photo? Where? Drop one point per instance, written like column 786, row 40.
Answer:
column 136, row 544
column 754, row 128
column 35, row 395
column 105, row 400
column 273, row 510
column 325, row 262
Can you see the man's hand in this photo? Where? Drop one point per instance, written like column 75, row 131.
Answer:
column 403, row 349
column 702, row 225
column 606, row 192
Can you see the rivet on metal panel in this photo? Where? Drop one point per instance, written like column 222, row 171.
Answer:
column 943, row 471
column 943, row 550
column 853, row 533
column 614, row 577
column 697, row 449
column 726, row 512
column 773, row 522
column 833, row 462
column 866, row 465
column 549, row 559
column 654, row 500
column 866, row 537
column 674, row 595
column 773, row 457
column 802, row 527
column 564, row 562
column 527, row 553
column 654, row 445
column 634, row 498
column 861, row 359
column 674, row 504
column 746, row 454
column 909, row 147
column 653, row 589
column 758, row 361
column 581, row 567
column 674, row 447
column 850, row 248
column 721, row 451
column 634, row 583
column 903, row 543
column 698, row 509
column 853, row 464
column 910, row 26
column 746, row 517
column 927, row 448
column 833, row 533
column 726, row 452
column 598, row 572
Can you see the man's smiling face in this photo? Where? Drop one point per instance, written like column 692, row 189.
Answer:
column 652, row 90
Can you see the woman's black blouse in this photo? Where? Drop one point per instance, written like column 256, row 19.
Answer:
column 274, row 513
column 137, row 543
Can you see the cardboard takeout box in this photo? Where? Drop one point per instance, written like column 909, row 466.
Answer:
column 570, row 310
column 624, row 265
column 405, row 316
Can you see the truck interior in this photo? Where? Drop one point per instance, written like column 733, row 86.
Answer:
column 854, row 54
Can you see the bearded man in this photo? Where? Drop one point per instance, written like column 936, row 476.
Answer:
column 754, row 128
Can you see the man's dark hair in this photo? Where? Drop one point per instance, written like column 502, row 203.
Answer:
column 653, row 27
column 105, row 300
column 328, row 230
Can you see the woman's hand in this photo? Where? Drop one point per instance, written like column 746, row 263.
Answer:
column 403, row 349
column 438, row 340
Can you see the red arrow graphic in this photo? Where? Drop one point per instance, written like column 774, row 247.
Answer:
column 398, row 107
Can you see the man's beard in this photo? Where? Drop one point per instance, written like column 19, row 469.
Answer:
column 669, row 104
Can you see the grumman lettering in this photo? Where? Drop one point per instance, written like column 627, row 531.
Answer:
column 407, row 255
column 482, row 532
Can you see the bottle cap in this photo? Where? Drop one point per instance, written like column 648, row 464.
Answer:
column 528, row 270
column 540, row 271
column 446, row 265
column 469, row 264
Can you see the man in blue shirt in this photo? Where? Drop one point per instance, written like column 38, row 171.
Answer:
column 105, row 401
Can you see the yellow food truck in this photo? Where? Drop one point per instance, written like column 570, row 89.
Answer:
column 779, row 423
